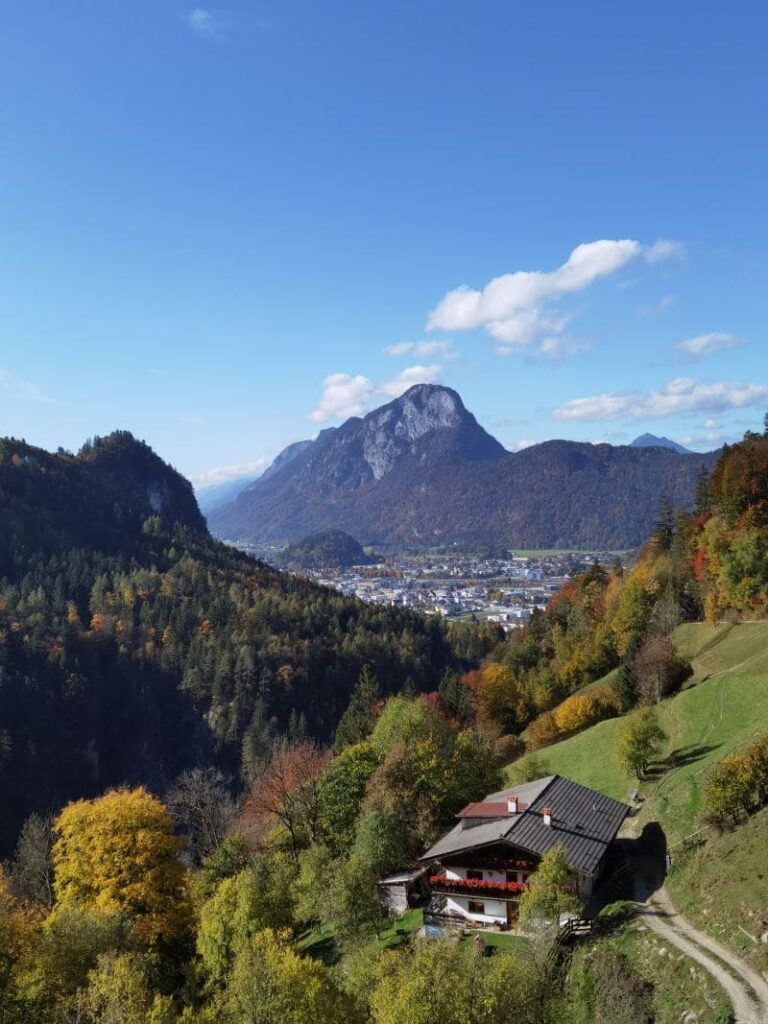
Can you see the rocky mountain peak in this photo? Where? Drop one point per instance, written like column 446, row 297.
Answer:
column 391, row 431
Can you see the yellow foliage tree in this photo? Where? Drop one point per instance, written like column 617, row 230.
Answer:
column 119, row 854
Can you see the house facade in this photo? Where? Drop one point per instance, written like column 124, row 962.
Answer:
column 480, row 868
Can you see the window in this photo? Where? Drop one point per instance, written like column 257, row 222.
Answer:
column 511, row 876
column 476, row 907
column 476, row 875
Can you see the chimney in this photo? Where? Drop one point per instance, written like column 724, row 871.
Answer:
column 512, row 805
column 547, row 816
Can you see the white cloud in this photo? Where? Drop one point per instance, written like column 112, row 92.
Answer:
column 519, row 310
column 422, row 349
column 524, row 442
column 25, row 389
column 222, row 474
column 677, row 396
column 209, row 24
column 342, row 396
column 705, row 344
column 410, row 376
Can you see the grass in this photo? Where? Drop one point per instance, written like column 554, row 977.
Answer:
column 724, row 706
column 722, row 886
column 680, row 985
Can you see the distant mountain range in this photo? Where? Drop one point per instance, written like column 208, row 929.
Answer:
column 421, row 472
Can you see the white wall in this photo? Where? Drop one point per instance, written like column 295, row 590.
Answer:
column 495, row 910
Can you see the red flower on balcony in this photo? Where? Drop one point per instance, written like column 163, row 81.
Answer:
column 476, row 883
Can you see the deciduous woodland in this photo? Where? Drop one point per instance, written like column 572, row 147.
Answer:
column 205, row 765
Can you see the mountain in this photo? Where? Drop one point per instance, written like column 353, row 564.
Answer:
column 652, row 441
column 421, row 471
column 133, row 645
column 216, row 495
column 333, row 549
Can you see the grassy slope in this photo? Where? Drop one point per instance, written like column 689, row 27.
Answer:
column 723, row 887
column 724, row 705
column 680, row 986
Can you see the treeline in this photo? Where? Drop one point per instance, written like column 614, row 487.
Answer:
column 710, row 563
column 133, row 646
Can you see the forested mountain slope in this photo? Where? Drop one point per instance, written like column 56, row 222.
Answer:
column 132, row 645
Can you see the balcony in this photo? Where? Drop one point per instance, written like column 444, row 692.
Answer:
column 476, row 887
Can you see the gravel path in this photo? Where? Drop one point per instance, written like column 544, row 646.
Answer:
column 746, row 989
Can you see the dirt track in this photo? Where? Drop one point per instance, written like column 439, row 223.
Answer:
column 746, row 989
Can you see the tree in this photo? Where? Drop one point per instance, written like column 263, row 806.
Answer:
column 32, row 869
column 625, row 686
column 356, row 723
column 118, row 993
column 201, row 804
column 119, row 854
column 658, row 669
column 456, row 697
column 288, row 792
column 404, row 723
column 342, row 789
column 664, row 525
column 551, row 891
column 637, row 741
column 257, row 898
column 270, row 983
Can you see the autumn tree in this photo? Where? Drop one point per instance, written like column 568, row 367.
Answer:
column 119, row 854
column 118, row 992
column 270, row 982
column 257, row 898
column 637, row 741
column 658, row 669
column 287, row 793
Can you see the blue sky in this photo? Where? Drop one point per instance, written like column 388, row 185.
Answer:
column 224, row 228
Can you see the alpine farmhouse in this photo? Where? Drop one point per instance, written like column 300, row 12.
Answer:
column 482, row 865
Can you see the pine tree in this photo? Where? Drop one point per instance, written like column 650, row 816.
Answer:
column 664, row 526
column 357, row 721
column 626, row 686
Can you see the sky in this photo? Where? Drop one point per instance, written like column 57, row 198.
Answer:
column 226, row 228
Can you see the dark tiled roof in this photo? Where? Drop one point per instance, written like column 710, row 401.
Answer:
column 583, row 821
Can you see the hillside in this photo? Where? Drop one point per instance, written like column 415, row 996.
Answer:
column 724, row 705
column 421, row 471
column 722, row 885
column 132, row 645
column 333, row 549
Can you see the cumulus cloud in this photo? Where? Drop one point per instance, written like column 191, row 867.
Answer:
column 520, row 310
column 410, row 376
column 705, row 344
column 222, row 474
column 343, row 396
column 422, row 349
column 208, row 24
column 681, row 395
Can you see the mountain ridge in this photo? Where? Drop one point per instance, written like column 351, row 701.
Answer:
column 422, row 471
